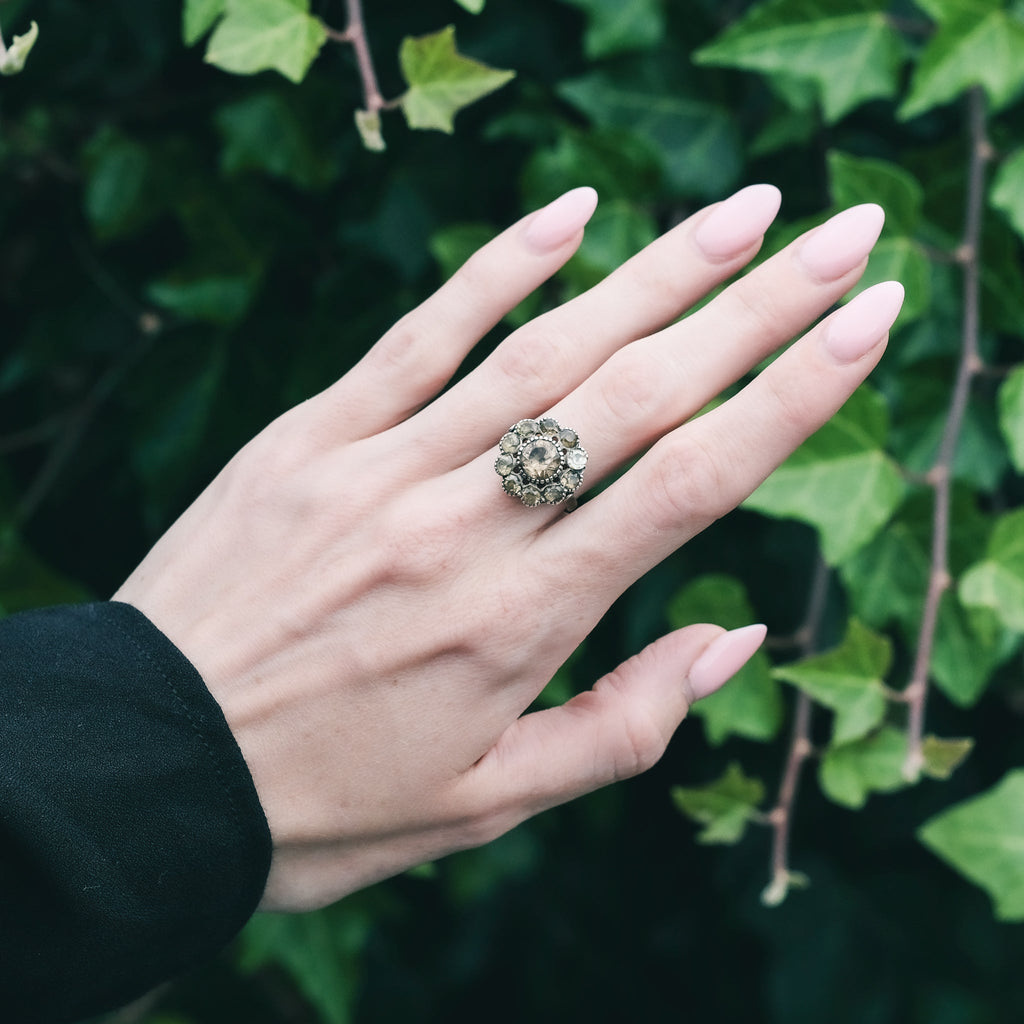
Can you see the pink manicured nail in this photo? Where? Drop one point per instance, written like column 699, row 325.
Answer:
column 723, row 658
column 860, row 325
column 737, row 223
column 561, row 220
column 842, row 242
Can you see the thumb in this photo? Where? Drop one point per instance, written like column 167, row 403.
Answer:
column 614, row 731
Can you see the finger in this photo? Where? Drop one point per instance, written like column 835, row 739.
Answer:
column 543, row 361
column 704, row 469
column 416, row 358
column 655, row 384
column 615, row 731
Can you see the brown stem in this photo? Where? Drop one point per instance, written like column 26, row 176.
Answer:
column 940, row 477
column 800, row 748
column 355, row 36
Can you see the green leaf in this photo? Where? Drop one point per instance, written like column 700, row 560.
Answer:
column 751, row 705
column 198, row 17
column 220, row 299
column 617, row 27
column 262, row 35
column 13, row 61
column 455, row 243
column 873, row 764
column 997, row 582
column 848, row 679
column 983, row 839
column 245, row 128
column 969, row 644
column 840, row 480
column 943, row 757
column 723, row 807
column 442, row 81
column 320, row 950
column 697, row 142
column 473, row 6
column 854, row 180
column 847, row 48
column 617, row 231
column 1011, row 415
column 118, row 183
column 1007, row 191
column 369, row 127
column 977, row 43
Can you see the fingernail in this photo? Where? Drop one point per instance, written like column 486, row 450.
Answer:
column 842, row 242
column 737, row 223
column 723, row 658
column 561, row 220
column 862, row 323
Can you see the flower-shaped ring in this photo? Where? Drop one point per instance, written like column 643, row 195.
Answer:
column 540, row 462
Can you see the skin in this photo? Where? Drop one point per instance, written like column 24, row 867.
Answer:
column 374, row 614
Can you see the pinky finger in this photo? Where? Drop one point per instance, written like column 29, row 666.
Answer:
column 617, row 730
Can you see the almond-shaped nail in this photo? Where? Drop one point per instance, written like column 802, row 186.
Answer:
column 738, row 222
column 842, row 242
column 561, row 220
column 723, row 658
column 854, row 330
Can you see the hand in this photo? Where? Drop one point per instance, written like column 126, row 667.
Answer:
column 374, row 614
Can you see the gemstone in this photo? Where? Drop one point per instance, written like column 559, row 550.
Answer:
column 504, row 465
column 513, row 485
column 576, row 458
column 530, row 496
column 524, row 428
column 567, row 438
column 549, row 426
column 510, row 443
column 554, row 493
column 540, row 458
column 570, row 479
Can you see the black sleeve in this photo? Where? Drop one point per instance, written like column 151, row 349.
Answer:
column 132, row 842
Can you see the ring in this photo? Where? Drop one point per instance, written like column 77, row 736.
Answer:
column 540, row 462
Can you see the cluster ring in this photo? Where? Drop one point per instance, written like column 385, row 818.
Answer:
column 540, row 462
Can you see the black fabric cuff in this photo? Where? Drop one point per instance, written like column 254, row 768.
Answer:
column 132, row 841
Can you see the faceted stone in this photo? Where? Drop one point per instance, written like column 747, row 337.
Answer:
column 524, row 428
column 504, row 465
column 510, row 442
column 576, row 458
column 540, row 458
column 530, row 496
column 513, row 485
column 567, row 438
column 570, row 479
column 554, row 493
column 549, row 426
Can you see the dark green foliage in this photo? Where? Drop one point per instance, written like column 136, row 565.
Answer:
column 185, row 253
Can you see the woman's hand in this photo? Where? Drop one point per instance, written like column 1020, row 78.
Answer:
column 374, row 613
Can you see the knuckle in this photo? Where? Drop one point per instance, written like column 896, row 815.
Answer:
column 632, row 385
column 758, row 306
column 419, row 544
column 688, row 485
column 537, row 359
column 641, row 742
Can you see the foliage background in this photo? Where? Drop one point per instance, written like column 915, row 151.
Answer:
column 186, row 253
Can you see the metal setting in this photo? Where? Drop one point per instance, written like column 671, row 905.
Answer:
column 541, row 462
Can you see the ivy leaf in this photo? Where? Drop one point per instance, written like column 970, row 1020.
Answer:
column 751, row 705
column 978, row 43
column 698, row 143
column 854, row 180
column 848, row 679
column 840, row 480
column 969, row 644
column 1011, row 415
column 872, row 764
column 369, row 127
column 1007, row 191
column 13, row 61
column 442, row 81
column 198, row 17
column 943, row 757
column 617, row 27
column 473, row 6
column 261, row 35
column 983, row 839
column 997, row 582
column 723, row 807
column 847, row 48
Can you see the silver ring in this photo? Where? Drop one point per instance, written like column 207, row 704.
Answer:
column 540, row 462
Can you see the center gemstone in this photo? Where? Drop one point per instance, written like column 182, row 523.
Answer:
column 540, row 458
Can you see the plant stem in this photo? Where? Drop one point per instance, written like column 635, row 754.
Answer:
column 800, row 748
column 355, row 36
column 940, row 477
